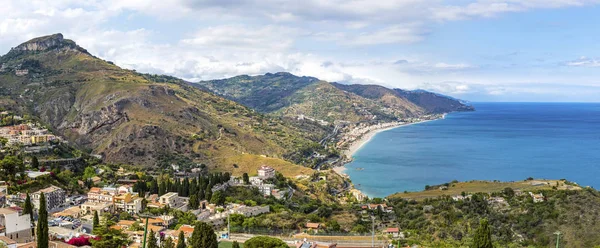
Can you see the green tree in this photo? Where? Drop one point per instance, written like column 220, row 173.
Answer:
column 152, row 242
column 194, row 201
column 203, row 236
column 10, row 166
column 483, row 236
column 42, row 225
column 265, row 242
column 246, row 178
column 109, row 237
column 28, row 207
column 89, row 172
column 181, row 240
column 35, row 164
column 235, row 245
column 217, row 198
column 124, row 216
column 168, row 243
column 208, row 192
column 96, row 221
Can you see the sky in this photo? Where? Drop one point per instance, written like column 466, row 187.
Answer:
column 477, row 50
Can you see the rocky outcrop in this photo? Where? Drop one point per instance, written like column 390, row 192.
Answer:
column 90, row 122
column 45, row 43
column 42, row 43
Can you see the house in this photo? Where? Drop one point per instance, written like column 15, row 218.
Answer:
column 266, row 189
column 102, row 207
column 21, row 72
column 537, row 197
column 174, row 234
column 125, row 189
column 96, row 180
column 394, row 231
column 72, row 212
column 15, row 226
column 250, row 211
column 266, row 172
column 51, row 244
column 55, row 197
column 461, row 198
column 128, row 203
column 8, row 243
column 358, row 195
column 313, row 226
column 101, row 195
column 171, row 199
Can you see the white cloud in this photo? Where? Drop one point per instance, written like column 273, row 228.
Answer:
column 584, row 62
column 242, row 37
column 221, row 38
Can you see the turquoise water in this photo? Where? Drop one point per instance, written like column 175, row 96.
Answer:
column 499, row 141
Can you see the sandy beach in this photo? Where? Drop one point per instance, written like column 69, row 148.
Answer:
column 365, row 138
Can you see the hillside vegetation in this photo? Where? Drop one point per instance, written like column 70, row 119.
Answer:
column 283, row 94
column 136, row 118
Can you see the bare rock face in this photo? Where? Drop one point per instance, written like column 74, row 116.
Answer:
column 42, row 43
column 90, row 122
column 46, row 43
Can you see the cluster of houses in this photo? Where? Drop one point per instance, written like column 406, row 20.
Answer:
column 74, row 214
column 353, row 133
column 26, row 134
column 267, row 189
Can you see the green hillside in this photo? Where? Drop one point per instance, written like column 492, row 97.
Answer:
column 135, row 118
column 283, row 94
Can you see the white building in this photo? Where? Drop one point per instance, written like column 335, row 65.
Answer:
column 55, row 197
column 15, row 226
column 171, row 199
column 266, row 172
column 266, row 189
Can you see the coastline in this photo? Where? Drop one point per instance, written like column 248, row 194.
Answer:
column 365, row 138
column 356, row 145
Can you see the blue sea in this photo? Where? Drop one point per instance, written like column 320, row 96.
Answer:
column 499, row 141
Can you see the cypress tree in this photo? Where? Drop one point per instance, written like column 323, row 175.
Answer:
column 208, row 192
column 42, row 225
column 203, row 236
column 181, row 240
column 35, row 163
column 483, row 236
column 185, row 187
column 154, row 186
column 201, row 195
column 152, row 242
column 194, row 202
column 28, row 207
column 246, row 178
column 169, row 243
column 96, row 222
column 193, row 187
column 162, row 188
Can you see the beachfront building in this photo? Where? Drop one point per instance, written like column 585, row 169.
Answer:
column 55, row 197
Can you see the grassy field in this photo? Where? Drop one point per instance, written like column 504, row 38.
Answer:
column 485, row 187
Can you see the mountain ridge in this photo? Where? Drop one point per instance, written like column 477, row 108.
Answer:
column 288, row 95
column 136, row 118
